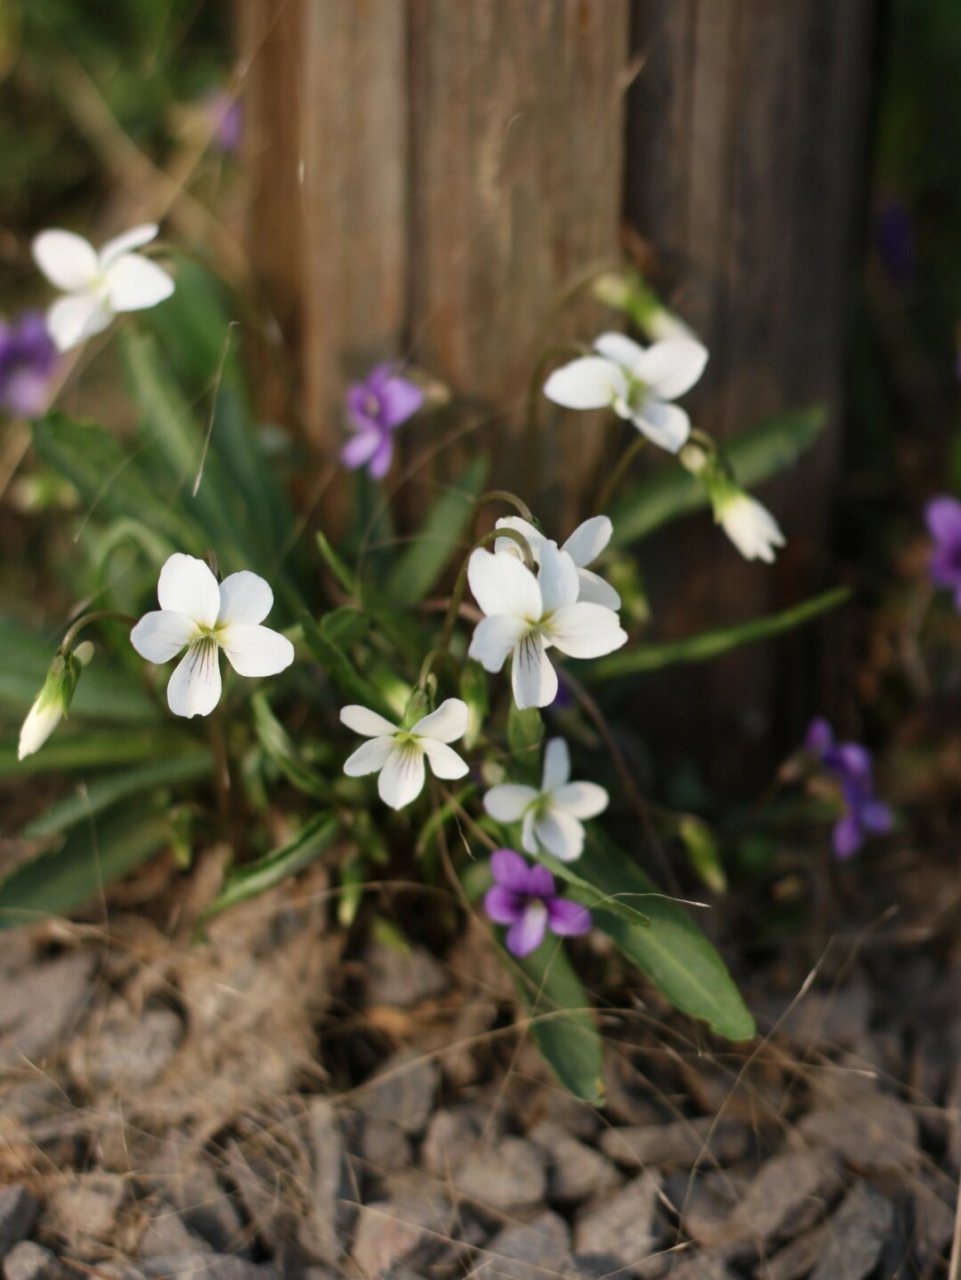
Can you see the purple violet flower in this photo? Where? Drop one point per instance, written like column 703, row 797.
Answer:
column 28, row 358
column 943, row 518
column 852, row 767
column 376, row 407
column 525, row 898
column 225, row 116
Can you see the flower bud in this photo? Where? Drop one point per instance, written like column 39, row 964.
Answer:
column 52, row 703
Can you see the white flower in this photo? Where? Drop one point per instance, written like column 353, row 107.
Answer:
column 636, row 382
column 97, row 285
column 749, row 525
column 525, row 616
column 583, row 546
column 398, row 754
column 206, row 617
column 550, row 818
column 52, row 703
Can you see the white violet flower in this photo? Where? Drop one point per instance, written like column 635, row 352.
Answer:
column 583, row 546
column 749, row 525
column 550, row 818
column 197, row 612
column 636, row 382
column 526, row 615
column 398, row 754
column 52, row 703
column 97, row 285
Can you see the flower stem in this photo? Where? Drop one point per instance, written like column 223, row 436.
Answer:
column 100, row 615
column 504, row 495
column 620, row 470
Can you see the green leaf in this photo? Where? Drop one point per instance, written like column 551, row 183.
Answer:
column 336, row 565
column 105, row 792
column 313, row 839
column 672, row 951
column 77, row 872
column 563, row 1024
column 441, row 534
column 69, row 750
column 525, row 733
column 276, row 742
column 703, row 852
column 755, row 455
column 711, row 644
column 341, row 669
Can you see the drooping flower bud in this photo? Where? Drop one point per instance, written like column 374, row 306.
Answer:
column 52, row 703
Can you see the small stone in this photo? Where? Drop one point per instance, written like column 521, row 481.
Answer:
column 506, row 1176
column 576, row 1172
column 332, row 1214
column 18, row 1213
column 402, row 1091
column 400, row 978
column 874, row 1133
column 451, row 1135
column 209, row 1211
column 167, row 1234
column 679, row 1144
column 127, row 1052
column 411, row 1230
column 702, row 1266
column 84, row 1211
column 207, row 1266
column 39, row 1010
column 796, row 1259
column 855, row 1236
column 705, row 1200
column 788, row 1194
column 536, row 1250
column 933, row 1223
column 621, row 1227
column 29, row 1261
column 384, row 1147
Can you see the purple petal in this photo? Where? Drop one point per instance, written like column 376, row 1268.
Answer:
column 541, row 882
column 26, row 393
column 380, row 462
column 943, row 518
column 360, row 449
column 503, row 905
column 852, row 759
column 876, row 817
column 847, row 836
column 510, row 870
column 399, row 399
column 363, row 408
column 819, row 737
column 527, row 934
column 568, row 918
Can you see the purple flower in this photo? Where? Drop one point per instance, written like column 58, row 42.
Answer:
column 225, row 120
column 376, row 408
column 943, row 518
column 851, row 766
column 27, row 361
column 525, row 897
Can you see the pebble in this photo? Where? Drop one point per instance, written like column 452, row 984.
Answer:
column 536, row 1250
column 576, row 1171
column 37, row 1010
column 788, row 1195
column 451, row 1134
column 506, row 1176
column 796, row 1259
column 29, row 1261
column 679, row 1144
column 384, row 1147
column 167, row 1234
column 84, row 1210
column 127, row 1052
column 875, row 1133
column 18, row 1213
column 621, row 1227
column 855, row 1236
column 332, row 1190
column 402, row 977
column 207, row 1266
column 401, row 1091
column 411, row 1230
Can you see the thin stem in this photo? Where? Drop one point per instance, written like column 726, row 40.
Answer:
column 100, row 615
column 218, row 744
column 533, row 400
column 504, row 495
column 620, row 470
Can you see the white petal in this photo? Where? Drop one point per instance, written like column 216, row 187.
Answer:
column 159, row 636
column 256, row 651
column 560, row 834
column 194, row 688
column 594, row 590
column 74, row 319
column 533, row 679
column 557, row 764
column 535, row 539
column 244, row 597
column 135, row 283
column 588, row 540
column 621, row 349
column 588, row 383
column 494, row 639
column 666, row 425
column 557, row 578
column 503, row 585
column 446, row 724
column 187, row 586
column 586, row 631
column 507, row 802
column 751, row 528
column 671, row 368
column 42, row 719
column 444, row 760
column 402, row 777
column 580, row 799
column 363, row 720
column 68, row 261
column 370, row 757
column 528, row 838
column 135, row 238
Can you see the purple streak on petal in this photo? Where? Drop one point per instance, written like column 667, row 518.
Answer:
column 847, row 836
column 819, row 737
column 527, row 934
column 400, row 399
column 541, row 882
column 568, row 918
column 380, row 462
column 360, row 449
column 511, row 870
column 503, row 905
